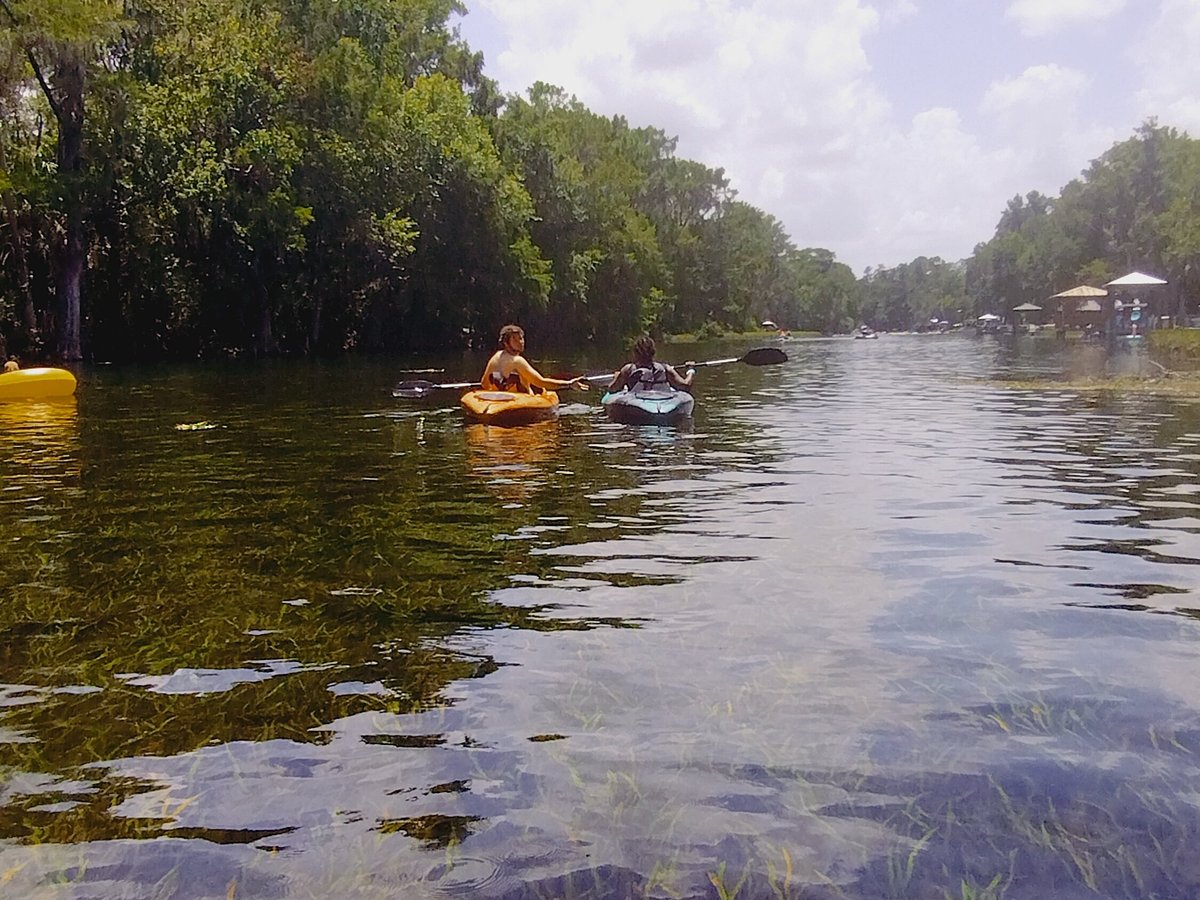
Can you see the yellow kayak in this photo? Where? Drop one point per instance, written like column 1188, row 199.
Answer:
column 508, row 408
column 36, row 384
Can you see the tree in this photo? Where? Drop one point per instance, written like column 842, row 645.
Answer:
column 65, row 42
column 586, row 174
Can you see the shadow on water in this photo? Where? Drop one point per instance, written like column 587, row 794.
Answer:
column 872, row 625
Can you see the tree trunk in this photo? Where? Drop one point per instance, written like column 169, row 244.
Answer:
column 314, row 334
column 314, row 327
column 265, row 339
column 68, row 277
column 71, row 255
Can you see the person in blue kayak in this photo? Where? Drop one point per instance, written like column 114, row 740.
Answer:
column 646, row 374
column 509, row 370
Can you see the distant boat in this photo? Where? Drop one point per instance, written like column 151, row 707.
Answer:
column 865, row 334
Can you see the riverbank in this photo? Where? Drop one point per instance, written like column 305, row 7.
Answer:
column 1171, row 384
column 758, row 335
column 1175, row 343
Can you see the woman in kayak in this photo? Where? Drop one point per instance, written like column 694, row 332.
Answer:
column 644, row 374
column 509, row 370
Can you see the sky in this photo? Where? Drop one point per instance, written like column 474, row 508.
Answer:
column 882, row 130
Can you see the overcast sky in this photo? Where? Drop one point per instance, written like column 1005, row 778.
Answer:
column 879, row 129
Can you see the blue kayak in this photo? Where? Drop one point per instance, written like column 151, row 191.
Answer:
column 648, row 407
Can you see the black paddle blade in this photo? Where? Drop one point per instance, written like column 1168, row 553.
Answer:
column 765, row 356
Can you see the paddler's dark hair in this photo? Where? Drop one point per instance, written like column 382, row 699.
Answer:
column 510, row 329
column 643, row 348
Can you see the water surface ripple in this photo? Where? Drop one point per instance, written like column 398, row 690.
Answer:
column 878, row 623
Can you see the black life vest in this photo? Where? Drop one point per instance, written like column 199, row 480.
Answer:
column 651, row 378
column 511, row 383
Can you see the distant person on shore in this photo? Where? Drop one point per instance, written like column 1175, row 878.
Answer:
column 12, row 365
column 509, row 370
column 645, row 374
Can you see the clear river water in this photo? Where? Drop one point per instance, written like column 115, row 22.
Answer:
column 895, row 618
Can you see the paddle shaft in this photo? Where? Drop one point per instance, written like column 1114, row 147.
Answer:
column 415, row 390
column 761, row 356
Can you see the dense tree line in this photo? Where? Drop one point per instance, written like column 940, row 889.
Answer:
column 183, row 178
column 914, row 295
column 1135, row 207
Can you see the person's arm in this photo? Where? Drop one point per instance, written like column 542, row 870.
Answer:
column 532, row 376
column 620, row 379
column 681, row 382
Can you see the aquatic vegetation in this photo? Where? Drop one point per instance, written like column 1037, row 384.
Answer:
column 827, row 644
column 1177, row 344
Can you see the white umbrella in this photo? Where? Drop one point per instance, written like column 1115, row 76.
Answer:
column 1134, row 278
column 989, row 317
column 767, row 323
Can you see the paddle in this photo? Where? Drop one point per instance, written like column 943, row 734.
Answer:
column 417, row 390
column 761, row 356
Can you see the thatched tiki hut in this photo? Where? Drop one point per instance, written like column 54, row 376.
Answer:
column 1079, row 308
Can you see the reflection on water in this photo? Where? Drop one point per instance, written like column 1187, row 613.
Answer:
column 513, row 462
column 882, row 623
column 39, row 445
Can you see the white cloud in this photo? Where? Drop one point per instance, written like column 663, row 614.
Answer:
column 1043, row 118
column 1038, row 18
column 776, row 92
column 781, row 94
column 898, row 11
column 1168, row 66
column 1039, row 90
column 931, row 190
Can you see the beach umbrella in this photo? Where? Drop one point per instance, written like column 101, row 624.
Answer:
column 1026, row 307
column 767, row 323
column 1135, row 279
column 989, row 317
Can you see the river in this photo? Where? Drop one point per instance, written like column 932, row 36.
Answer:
column 885, row 620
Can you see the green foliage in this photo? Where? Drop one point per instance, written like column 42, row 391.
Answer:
column 587, row 175
column 326, row 175
column 1181, row 344
column 1135, row 207
column 910, row 295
